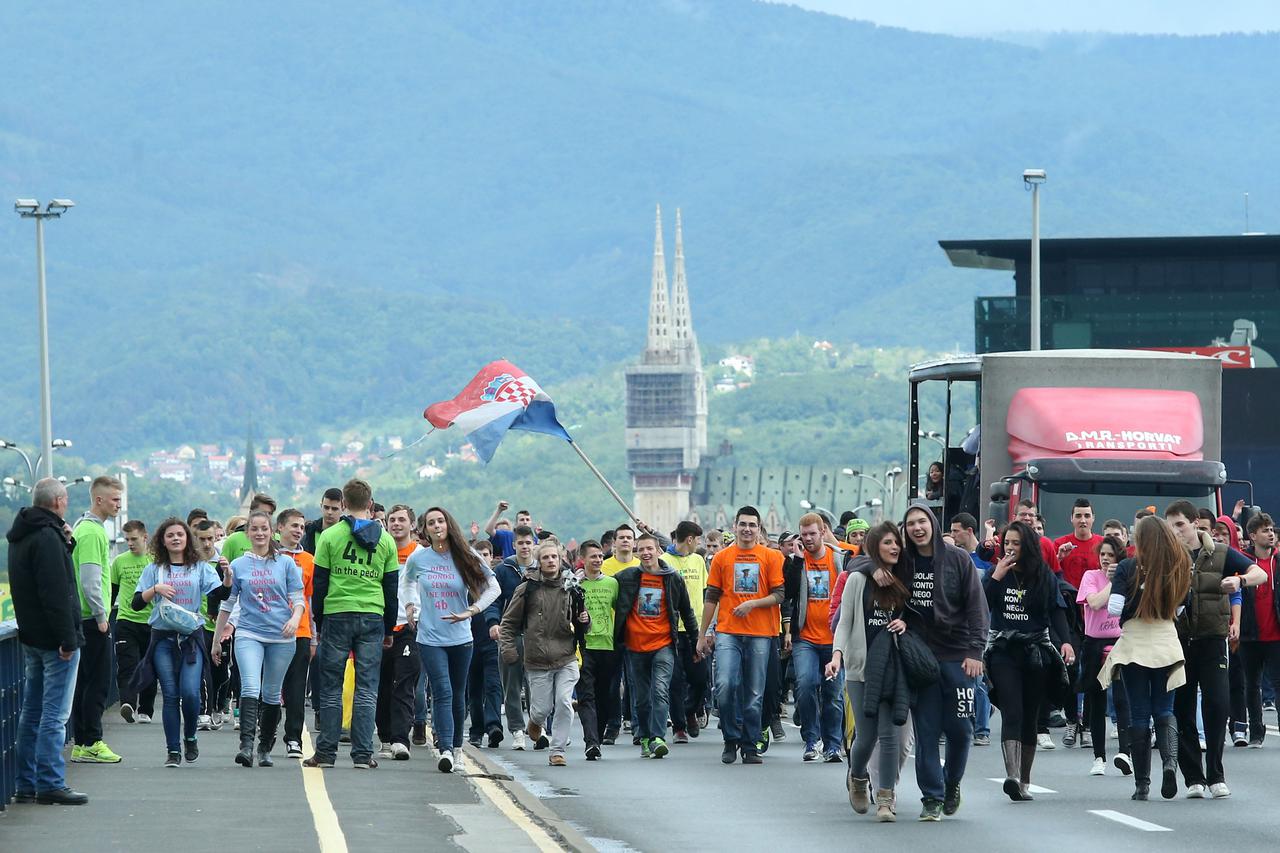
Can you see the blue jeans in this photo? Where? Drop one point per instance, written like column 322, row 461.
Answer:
column 1148, row 696
column 945, row 707
column 420, row 693
column 981, row 708
column 651, row 680
column 741, row 664
column 484, row 687
column 342, row 634
column 180, row 671
column 42, row 725
column 262, row 667
column 818, row 699
column 447, row 671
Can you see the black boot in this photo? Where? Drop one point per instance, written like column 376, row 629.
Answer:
column 248, row 727
column 1024, row 775
column 269, row 720
column 1167, row 741
column 1140, row 752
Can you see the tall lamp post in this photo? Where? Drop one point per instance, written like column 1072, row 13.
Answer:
column 853, row 472
column 1033, row 178
column 29, row 208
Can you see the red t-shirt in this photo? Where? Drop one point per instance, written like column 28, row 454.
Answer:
column 1264, row 603
column 1081, row 559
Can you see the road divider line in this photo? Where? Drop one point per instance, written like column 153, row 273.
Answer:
column 329, row 831
column 1129, row 820
column 496, row 795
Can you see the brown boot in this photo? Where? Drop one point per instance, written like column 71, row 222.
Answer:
column 858, row 789
column 886, row 806
column 1012, row 751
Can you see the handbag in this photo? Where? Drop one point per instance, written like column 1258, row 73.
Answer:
column 918, row 661
column 171, row 616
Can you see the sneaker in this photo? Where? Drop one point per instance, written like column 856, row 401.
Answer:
column 517, row 740
column 681, row 736
column 317, row 761
column 99, row 753
column 692, row 725
column 476, row 740
column 1057, row 720
column 385, row 751
column 951, row 804
column 779, row 733
column 610, row 737
column 1099, row 767
column 1123, row 763
column 77, row 753
column 645, row 752
column 419, row 734
column 1253, row 744
column 1069, row 736
column 1196, row 791
column 832, row 757
column 542, row 742
column 1045, row 741
column 1219, row 790
column 126, row 711
column 932, row 811
column 191, row 750
column 982, row 740
column 61, row 797
column 762, row 745
column 635, row 741
column 369, row 763
column 1240, row 738
column 557, row 760
column 594, row 752
column 1269, row 706
column 730, row 753
column 1086, row 738
column 344, row 736
column 626, row 726
column 459, row 762
column 204, row 723
column 445, row 764
column 399, row 752
column 495, row 738
column 174, row 759
column 217, row 720
column 658, row 747
column 292, row 749
column 143, row 719
column 24, row 797
column 750, row 756
column 810, row 753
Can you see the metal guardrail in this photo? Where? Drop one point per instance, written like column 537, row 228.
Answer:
column 11, row 676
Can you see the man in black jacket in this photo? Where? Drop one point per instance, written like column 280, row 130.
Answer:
column 48, row 608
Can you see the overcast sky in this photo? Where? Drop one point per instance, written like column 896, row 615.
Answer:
column 1184, row 17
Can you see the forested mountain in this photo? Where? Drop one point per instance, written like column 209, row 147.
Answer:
column 313, row 214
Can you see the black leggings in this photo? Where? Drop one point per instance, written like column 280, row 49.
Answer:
column 1019, row 689
column 1095, row 699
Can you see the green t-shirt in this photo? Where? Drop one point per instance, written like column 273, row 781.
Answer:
column 236, row 545
column 601, row 594
column 355, row 575
column 91, row 547
column 693, row 569
column 125, row 571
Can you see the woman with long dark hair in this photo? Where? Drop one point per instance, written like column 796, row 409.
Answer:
column 1023, row 665
column 178, row 575
column 453, row 585
column 1146, row 592
column 874, row 603
column 268, row 587
column 935, row 482
column 1101, row 630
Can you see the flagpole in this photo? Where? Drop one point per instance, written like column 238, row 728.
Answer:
column 594, row 470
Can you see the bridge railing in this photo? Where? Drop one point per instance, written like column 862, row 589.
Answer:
column 11, row 675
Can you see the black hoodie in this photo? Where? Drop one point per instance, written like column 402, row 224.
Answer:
column 958, row 628
column 42, row 581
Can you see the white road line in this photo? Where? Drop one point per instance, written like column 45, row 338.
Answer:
column 1127, row 820
column 1033, row 788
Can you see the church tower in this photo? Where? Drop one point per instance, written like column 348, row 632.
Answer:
column 666, row 411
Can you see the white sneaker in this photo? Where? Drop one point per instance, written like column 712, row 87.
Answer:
column 399, row 752
column 386, row 752
column 459, row 762
column 517, row 740
column 1099, row 767
column 1195, row 792
column 1045, row 741
column 204, row 722
column 143, row 718
column 1114, row 733
column 445, row 764
column 1219, row 790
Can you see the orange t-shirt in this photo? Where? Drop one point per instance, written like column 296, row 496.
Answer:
column 744, row 575
column 852, row 549
column 822, row 579
column 648, row 626
column 307, row 563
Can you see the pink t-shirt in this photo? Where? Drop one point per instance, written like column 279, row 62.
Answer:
column 1097, row 623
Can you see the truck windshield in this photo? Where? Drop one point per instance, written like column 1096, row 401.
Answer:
column 1113, row 500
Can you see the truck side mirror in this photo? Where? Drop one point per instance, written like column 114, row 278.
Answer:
column 1000, row 491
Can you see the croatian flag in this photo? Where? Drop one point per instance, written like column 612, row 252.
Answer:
column 500, row 397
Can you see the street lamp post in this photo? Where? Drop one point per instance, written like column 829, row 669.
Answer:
column 32, row 467
column 29, row 208
column 853, row 472
column 1033, row 178
column 936, row 437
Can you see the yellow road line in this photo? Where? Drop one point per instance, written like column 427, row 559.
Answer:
column 499, row 797
column 328, row 829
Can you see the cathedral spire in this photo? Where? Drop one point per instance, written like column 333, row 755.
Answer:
column 659, row 339
column 684, row 340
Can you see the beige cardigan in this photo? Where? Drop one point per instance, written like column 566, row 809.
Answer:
column 1153, row 644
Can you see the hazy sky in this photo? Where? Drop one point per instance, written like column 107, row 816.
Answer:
column 1185, row 17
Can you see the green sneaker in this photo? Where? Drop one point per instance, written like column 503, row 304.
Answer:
column 78, row 753
column 658, row 747
column 762, row 743
column 99, row 753
column 645, row 752
column 932, row 811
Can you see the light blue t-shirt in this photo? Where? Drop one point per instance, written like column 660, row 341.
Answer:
column 266, row 589
column 190, row 585
column 442, row 591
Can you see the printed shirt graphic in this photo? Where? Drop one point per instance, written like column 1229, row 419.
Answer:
column 693, row 569
column 876, row 619
column 821, row 575
column 648, row 626
column 1097, row 623
column 355, row 574
column 125, row 571
column 922, row 581
column 601, row 594
column 442, row 591
column 262, row 586
column 190, row 584
column 745, row 575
